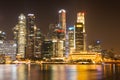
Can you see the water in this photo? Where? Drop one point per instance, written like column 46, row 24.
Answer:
column 59, row 72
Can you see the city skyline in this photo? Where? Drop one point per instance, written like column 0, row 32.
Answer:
column 102, row 17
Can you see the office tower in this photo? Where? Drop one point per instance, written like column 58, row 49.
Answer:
column 56, row 35
column 62, row 20
column 34, row 39
column 31, row 31
column 52, row 32
column 71, row 39
column 80, row 33
column 62, row 32
column 20, row 36
column 38, row 42
column 47, row 49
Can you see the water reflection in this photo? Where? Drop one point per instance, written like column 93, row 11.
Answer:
column 59, row 72
column 111, row 71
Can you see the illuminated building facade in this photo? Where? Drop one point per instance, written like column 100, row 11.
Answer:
column 38, row 43
column 2, row 46
column 34, row 39
column 56, row 35
column 7, row 49
column 47, row 49
column 71, row 36
column 80, row 33
column 20, row 35
column 62, row 19
column 61, row 33
column 95, row 47
column 52, row 32
column 79, row 37
column 31, row 29
column 2, row 36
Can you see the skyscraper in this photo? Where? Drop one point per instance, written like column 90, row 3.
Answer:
column 20, row 35
column 31, row 29
column 34, row 39
column 80, row 33
column 62, row 33
column 62, row 19
column 71, row 39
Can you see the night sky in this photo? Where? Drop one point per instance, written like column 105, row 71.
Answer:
column 102, row 17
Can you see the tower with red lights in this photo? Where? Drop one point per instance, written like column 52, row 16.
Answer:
column 62, row 19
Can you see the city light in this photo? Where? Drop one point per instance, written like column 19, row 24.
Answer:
column 62, row 10
column 61, row 42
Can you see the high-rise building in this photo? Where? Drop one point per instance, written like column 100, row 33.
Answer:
column 47, row 49
column 62, row 32
column 71, row 39
column 38, row 43
column 20, row 35
column 52, row 32
column 79, row 37
column 81, row 19
column 56, row 35
column 80, row 33
column 31, row 30
column 62, row 19
column 34, row 39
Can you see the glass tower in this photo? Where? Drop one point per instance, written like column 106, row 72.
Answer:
column 20, row 35
column 80, row 33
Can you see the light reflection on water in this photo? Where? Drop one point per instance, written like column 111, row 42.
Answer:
column 59, row 72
